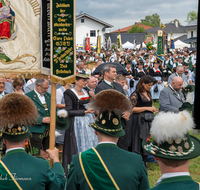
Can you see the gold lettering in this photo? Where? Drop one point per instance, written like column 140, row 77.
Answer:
column 62, row 24
column 57, row 38
column 61, row 20
column 62, row 11
column 68, row 38
column 62, row 29
column 59, row 5
column 62, row 66
column 63, row 71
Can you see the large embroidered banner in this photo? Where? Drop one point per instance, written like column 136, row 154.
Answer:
column 63, row 61
column 20, row 50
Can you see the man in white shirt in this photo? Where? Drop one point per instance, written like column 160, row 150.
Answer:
column 31, row 81
column 172, row 147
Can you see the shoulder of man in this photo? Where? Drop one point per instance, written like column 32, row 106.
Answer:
column 47, row 94
column 30, row 94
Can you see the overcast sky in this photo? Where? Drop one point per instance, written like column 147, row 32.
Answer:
column 122, row 13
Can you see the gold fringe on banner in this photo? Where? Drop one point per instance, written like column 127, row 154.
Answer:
column 62, row 81
column 23, row 75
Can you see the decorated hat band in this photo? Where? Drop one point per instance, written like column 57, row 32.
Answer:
column 109, row 130
column 15, row 130
column 152, row 148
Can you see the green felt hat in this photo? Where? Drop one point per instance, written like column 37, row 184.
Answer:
column 16, row 133
column 62, row 123
column 170, row 139
column 185, row 63
column 109, row 123
column 186, row 106
column 174, row 149
column 81, row 76
column 189, row 88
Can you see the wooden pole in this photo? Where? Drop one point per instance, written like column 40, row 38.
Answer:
column 53, row 120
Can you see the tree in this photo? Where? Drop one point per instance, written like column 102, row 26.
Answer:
column 151, row 20
column 173, row 21
column 136, row 29
column 191, row 16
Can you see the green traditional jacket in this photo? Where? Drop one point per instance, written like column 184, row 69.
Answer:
column 33, row 173
column 126, row 168
column 40, row 127
column 190, row 61
column 169, row 65
column 176, row 183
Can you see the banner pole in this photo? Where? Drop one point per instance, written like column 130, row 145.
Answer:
column 53, row 119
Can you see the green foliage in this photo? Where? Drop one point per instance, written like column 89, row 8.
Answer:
column 136, row 29
column 151, row 20
column 191, row 16
column 173, row 21
column 114, row 46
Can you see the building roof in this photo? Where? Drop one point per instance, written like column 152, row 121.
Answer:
column 126, row 37
column 181, row 38
column 106, row 25
column 125, row 30
column 191, row 25
column 169, row 27
column 190, row 40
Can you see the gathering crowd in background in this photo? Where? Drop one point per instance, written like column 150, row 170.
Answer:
column 148, row 79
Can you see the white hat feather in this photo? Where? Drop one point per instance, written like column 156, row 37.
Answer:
column 62, row 113
column 167, row 126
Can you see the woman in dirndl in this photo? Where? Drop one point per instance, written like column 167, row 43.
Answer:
column 157, row 74
column 79, row 137
column 130, row 78
column 139, row 72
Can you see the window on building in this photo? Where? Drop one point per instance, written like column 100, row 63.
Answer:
column 82, row 20
column 92, row 33
column 191, row 33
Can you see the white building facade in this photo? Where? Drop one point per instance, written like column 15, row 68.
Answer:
column 86, row 24
column 192, row 34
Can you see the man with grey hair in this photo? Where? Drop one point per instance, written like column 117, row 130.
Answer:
column 39, row 141
column 80, row 66
column 171, row 97
column 179, row 73
column 109, row 75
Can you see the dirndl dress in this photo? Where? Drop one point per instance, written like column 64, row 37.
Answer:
column 85, row 136
column 156, row 95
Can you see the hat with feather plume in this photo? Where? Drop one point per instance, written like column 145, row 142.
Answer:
column 17, row 111
column 111, row 104
column 170, row 138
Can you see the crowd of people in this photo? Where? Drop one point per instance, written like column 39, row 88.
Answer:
column 110, row 111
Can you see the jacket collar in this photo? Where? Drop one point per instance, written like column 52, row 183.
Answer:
column 176, row 179
column 37, row 100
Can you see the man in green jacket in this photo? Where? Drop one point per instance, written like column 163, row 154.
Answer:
column 39, row 140
column 19, row 170
column 173, row 147
column 107, row 166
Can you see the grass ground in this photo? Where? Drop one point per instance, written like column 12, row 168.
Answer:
column 194, row 167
